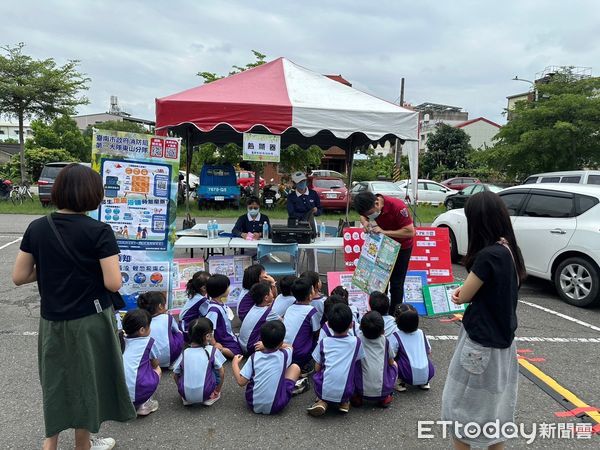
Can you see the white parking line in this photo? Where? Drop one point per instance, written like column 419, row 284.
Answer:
column 562, row 316
column 10, row 243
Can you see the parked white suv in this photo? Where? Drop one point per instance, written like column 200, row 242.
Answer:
column 557, row 227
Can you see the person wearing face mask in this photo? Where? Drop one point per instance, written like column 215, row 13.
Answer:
column 302, row 200
column 250, row 225
column 392, row 218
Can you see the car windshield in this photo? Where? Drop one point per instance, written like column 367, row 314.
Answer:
column 328, row 184
column 51, row 171
column 385, row 187
column 494, row 188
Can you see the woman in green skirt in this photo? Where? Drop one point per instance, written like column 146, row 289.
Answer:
column 75, row 261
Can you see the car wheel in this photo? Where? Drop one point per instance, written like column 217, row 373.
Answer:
column 577, row 281
column 450, row 204
column 454, row 256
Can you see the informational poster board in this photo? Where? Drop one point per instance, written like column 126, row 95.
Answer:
column 438, row 299
column 375, row 264
column 431, row 253
column 354, row 238
column 232, row 267
column 356, row 297
column 414, row 287
column 261, row 147
column 183, row 270
column 140, row 174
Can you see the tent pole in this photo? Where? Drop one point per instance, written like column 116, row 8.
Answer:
column 349, row 164
column 188, row 164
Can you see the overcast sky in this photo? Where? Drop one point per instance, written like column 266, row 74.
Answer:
column 461, row 53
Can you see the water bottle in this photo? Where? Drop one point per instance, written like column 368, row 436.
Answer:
column 209, row 229
column 265, row 231
column 215, row 229
column 322, row 231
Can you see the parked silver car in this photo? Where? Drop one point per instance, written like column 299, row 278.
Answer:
column 379, row 187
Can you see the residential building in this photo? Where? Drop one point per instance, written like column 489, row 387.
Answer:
column 481, row 131
column 113, row 114
column 432, row 114
column 10, row 130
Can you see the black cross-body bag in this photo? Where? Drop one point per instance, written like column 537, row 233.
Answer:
column 115, row 297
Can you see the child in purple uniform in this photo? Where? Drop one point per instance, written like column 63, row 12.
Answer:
column 165, row 331
column 317, row 299
column 217, row 288
column 260, row 313
column 199, row 371
column 413, row 355
column 336, row 360
column 252, row 275
column 197, row 304
column 142, row 371
column 285, row 299
column 378, row 301
column 343, row 292
column 301, row 324
column 325, row 329
column 378, row 371
column 269, row 375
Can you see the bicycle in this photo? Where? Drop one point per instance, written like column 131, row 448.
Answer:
column 24, row 192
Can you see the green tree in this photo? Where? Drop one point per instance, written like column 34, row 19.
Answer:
column 295, row 158
column 35, row 159
column 37, row 88
column 61, row 133
column 447, row 149
column 121, row 125
column 209, row 77
column 560, row 131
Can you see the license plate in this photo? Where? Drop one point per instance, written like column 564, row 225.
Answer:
column 331, row 195
column 269, row 201
column 219, row 198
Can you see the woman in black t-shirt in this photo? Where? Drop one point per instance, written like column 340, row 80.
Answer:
column 79, row 355
column 481, row 385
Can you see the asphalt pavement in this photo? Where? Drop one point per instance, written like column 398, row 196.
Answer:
column 571, row 360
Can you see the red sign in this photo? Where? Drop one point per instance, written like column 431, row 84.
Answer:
column 354, row 238
column 431, row 253
column 157, row 147
column 171, row 149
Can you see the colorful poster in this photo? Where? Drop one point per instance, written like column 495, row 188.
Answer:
column 184, row 269
column 431, row 253
column 414, row 285
column 230, row 266
column 139, row 173
column 374, row 267
column 356, row 297
column 354, row 238
column 438, row 299
column 261, row 147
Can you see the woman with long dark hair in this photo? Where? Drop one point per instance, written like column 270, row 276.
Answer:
column 75, row 261
column 482, row 381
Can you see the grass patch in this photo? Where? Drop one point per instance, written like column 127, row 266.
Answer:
column 425, row 213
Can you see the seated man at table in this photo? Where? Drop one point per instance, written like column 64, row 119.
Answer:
column 250, row 225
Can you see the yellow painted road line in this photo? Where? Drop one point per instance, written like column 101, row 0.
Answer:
column 552, row 384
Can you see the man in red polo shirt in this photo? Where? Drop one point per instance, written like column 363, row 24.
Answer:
column 393, row 219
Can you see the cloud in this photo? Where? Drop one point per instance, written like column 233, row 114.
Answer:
column 462, row 53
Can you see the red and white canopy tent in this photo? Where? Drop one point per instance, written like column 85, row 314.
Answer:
column 283, row 98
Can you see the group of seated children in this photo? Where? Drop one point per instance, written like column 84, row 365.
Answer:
column 289, row 331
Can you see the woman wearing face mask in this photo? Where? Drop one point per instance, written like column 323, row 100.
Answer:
column 302, row 200
column 392, row 218
column 250, row 225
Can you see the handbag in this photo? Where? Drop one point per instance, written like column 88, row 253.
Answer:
column 188, row 221
column 115, row 297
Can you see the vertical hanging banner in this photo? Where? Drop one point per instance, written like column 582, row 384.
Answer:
column 140, row 174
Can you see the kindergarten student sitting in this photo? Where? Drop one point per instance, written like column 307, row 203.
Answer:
column 165, row 331
column 217, row 288
column 199, row 371
column 142, row 372
column 197, row 304
column 336, row 360
column 325, row 329
column 380, row 302
column 252, row 275
column 413, row 355
column 317, row 299
column 343, row 292
column 377, row 372
column 285, row 299
column 269, row 375
column 301, row 323
column 257, row 316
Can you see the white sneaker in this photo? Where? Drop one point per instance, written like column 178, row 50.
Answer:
column 147, row 408
column 212, row 400
column 102, row 443
column 400, row 386
column 425, row 387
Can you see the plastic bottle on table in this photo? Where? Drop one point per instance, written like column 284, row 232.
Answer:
column 265, row 230
column 322, row 231
column 209, row 229
column 215, row 229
